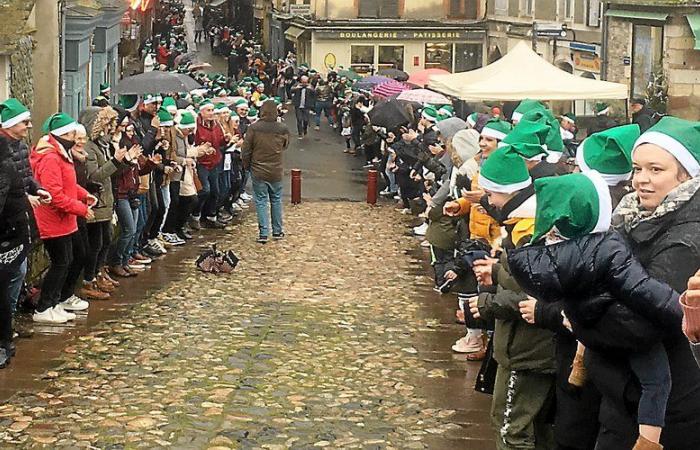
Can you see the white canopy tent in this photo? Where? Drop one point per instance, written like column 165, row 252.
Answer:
column 522, row 74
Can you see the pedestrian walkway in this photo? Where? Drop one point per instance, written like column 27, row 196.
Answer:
column 326, row 339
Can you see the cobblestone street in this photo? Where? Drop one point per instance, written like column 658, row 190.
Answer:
column 326, row 339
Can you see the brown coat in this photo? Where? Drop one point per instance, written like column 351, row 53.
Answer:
column 264, row 143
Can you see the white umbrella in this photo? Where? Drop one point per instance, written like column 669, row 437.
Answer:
column 424, row 96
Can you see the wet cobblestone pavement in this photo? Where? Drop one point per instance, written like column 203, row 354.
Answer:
column 325, row 339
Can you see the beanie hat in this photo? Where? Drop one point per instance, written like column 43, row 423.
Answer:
column 12, row 112
column 609, row 153
column 504, row 171
column 59, row 124
column 149, row 98
column 679, row 137
column 104, row 88
column 221, row 108
column 430, row 113
column 472, row 118
column 166, row 119
column 187, row 120
column 528, row 140
column 466, row 144
column 526, row 106
column 170, row 105
column 496, row 129
column 450, row 126
column 576, row 204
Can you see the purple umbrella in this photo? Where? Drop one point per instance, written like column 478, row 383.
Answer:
column 368, row 83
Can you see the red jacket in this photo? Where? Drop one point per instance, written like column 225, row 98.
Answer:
column 213, row 134
column 163, row 55
column 53, row 168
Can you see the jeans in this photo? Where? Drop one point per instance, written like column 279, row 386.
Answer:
column 268, row 195
column 99, row 236
column 14, row 287
column 224, row 187
column 652, row 369
column 208, row 196
column 302, row 120
column 144, row 210
column 60, row 252
column 323, row 107
column 5, row 307
column 127, row 219
column 167, row 201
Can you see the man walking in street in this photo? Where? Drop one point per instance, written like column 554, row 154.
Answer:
column 642, row 115
column 304, row 99
column 262, row 154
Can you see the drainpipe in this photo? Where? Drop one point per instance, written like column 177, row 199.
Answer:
column 61, row 50
column 604, row 44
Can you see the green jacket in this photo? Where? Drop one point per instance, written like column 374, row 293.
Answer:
column 100, row 167
column 517, row 344
column 442, row 230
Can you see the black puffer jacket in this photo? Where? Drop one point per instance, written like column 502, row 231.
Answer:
column 611, row 301
column 19, row 152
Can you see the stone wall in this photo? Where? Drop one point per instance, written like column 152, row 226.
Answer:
column 22, row 81
column 682, row 68
column 619, row 46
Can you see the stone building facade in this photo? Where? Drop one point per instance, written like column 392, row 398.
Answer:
column 656, row 41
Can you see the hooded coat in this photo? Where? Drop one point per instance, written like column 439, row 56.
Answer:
column 100, row 163
column 53, row 168
column 264, row 143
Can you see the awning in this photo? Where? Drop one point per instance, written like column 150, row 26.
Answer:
column 293, row 32
column 639, row 15
column 694, row 22
column 216, row 3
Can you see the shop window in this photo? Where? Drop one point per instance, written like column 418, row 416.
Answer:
column 391, row 57
column 438, row 56
column 647, row 52
column 468, row 57
column 527, row 7
column 362, row 58
column 385, row 9
column 566, row 9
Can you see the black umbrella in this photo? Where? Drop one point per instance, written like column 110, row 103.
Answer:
column 396, row 74
column 156, row 81
column 390, row 114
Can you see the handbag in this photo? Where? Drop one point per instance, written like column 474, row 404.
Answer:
column 214, row 261
column 486, row 378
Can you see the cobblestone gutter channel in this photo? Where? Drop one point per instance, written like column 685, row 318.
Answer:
column 316, row 341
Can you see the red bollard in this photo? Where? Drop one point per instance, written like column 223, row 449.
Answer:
column 296, row 186
column 372, row 187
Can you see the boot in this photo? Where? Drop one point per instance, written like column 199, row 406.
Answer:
column 92, row 292
column 645, row 444
column 578, row 371
column 104, row 285
column 105, row 274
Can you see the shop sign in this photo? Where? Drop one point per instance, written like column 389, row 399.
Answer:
column 329, row 61
column 400, row 35
column 587, row 62
column 300, row 10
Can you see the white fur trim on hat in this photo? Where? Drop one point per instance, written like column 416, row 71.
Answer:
column 604, row 201
column 489, row 185
column 65, row 129
column 603, row 112
column 494, row 134
column 9, row 123
column 148, row 101
column 554, row 157
column 672, row 146
column 471, row 122
column 611, row 179
column 568, row 119
column 182, row 127
column 516, row 116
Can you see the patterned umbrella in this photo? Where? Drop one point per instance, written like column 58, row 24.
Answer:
column 369, row 83
column 424, row 96
column 396, row 74
column 422, row 78
column 390, row 88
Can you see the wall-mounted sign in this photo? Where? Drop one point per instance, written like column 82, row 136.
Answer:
column 329, row 61
column 626, row 60
column 396, row 35
column 300, row 10
column 587, row 62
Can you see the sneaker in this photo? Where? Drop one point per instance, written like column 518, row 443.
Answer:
column 142, row 259
column 119, row 271
column 262, row 240
column 468, row 344
column 369, row 165
column 242, row 204
column 4, row 358
column 405, row 211
column 425, row 244
column 246, row 196
column 194, row 223
column 235, row 207
column 173, row 239
column 58, row 310
column 278, row 236
column 300, row 137
column 397, row 197
column 48, row 316
column 184, row 235
column 104, row 285
column 421, row 229
column 135, row 265
column 224, row 218
column 212, row 223
column 155, row 247
column 376, row 160
column 75, row 303
column 317, row 128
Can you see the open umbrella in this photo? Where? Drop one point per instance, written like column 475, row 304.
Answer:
column 390, row 88
column 389, row 114
column 370, row 82
column 424, row 96
column 349, row 74
column 155, row 81
column 199, row 65
column 422, row 78
column 395, row 74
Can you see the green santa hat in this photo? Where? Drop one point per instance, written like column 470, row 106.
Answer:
column 12, row 112
column 609, row 153
column 149, row 98
column 220, row 108
column 128, row 101
column 447, row 111
column 170, row 105
column 496, row 129
column 187, row 120
column 528, row 140
column 430, row 113
column 252, row 113
column 241, row 103
column 576, row 204
column 554, row 142
column 105, row 88
column 472, row 118
column 601, row 109
column 166, row 119
column 206, row 104
column 59, row 124
column 679, row 137
column 526, row 106
column 569, row 117
column 504, row 171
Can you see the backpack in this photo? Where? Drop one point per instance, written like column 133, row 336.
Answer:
column 214, row 261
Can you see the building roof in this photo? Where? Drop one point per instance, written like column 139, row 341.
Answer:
column 14, row 15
